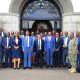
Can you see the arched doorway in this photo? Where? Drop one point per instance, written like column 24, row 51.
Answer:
column 42, row 26
column 41, row 11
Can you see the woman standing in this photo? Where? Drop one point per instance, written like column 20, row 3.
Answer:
column 73, row 50
column 16, row 50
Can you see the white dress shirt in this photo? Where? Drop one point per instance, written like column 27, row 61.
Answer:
column 27, row 38
column 65, row 41
column 49, row 38
column 56, row 39
column 7, row 41
column 2, row 34
column 39, row 43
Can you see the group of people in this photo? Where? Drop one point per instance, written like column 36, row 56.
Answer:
column 50, row 49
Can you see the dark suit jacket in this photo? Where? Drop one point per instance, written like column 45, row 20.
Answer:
column 1, row 47
column 58, row 43
column 35, row 47
column 4, row 43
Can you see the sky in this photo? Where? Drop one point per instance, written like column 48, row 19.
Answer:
column 76, row 5
column 4, row 5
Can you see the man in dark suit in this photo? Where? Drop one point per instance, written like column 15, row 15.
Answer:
column 1, row 50
column 57, row 59
column 39, row 49
column 7, row 50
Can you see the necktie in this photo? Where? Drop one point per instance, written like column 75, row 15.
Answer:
column 39, row 45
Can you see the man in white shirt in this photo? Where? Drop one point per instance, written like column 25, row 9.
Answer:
column 65, row 48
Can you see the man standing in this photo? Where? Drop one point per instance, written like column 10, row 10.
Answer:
column 44, row 36
column 57, row 54
column 22, row 34
column 7, row 50
column 78, row 55
column 73, row 50
column 12, row 35
column 66, row 40
column 61, row 49
column 27, row 49
column 49, row 49
column 39, row 49
column 33, row 39
column 1, row 51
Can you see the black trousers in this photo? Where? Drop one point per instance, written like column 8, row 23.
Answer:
column 39, row 56
column 57, row 58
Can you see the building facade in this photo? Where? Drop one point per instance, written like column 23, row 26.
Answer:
column 42, row 15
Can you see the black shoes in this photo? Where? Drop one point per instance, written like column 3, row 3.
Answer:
column 25, row 68
column 30, row 68
column 47, row 66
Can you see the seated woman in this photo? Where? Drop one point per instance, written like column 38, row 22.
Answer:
column 16, row 50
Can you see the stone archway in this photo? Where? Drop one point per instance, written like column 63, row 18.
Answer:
column 65, row 5
column 66, row 8
column 41, row 10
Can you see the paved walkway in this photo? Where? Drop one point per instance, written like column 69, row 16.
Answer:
column 38, row 74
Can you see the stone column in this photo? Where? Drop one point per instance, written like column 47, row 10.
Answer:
column 9, row 22
column 71, row 22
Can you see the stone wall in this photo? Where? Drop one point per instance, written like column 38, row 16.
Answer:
column 71, row 22
column 9, row 22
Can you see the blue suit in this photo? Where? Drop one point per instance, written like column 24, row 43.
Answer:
column 7, row 51
column 1, row 50
column 49, row 48
column 27, row 51
column 33, row 39
column 65, row 51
